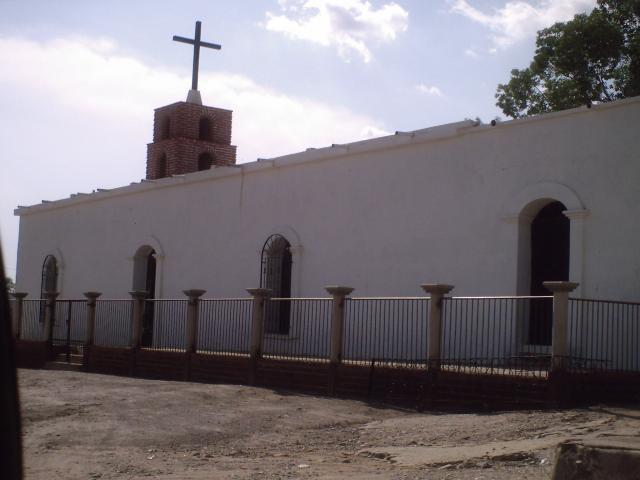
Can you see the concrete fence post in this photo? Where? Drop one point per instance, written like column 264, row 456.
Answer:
column 434, row 332
column 337, row 321
column 91, row 316
column 260, row 295
column 337, row 332
column 137, row 315
column 49, row 316
column 193, row 305
column 18, row 313
column 560, row 333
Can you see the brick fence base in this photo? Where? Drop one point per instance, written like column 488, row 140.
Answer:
column 410, row 387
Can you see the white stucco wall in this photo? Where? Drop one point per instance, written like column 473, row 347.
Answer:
column 442, row 205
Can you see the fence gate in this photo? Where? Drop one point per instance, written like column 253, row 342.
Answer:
column 69, row 327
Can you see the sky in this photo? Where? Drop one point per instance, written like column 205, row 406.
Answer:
column 79, row 79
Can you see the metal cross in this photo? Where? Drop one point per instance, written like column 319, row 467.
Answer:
column 197, row 43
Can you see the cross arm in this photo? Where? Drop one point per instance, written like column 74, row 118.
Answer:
column 176, row 38
column 211, row 45
column 192, row 42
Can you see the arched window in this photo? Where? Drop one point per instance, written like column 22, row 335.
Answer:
column 275, row 274
column 165, row 128
column 205, row 160
column 162, row 166
column 549, row 261
column 144, row 279
column 49, row 275
column 206, row 129
column 49, row 281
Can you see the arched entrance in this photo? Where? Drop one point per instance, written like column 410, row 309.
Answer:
column 144, row 279
column 275, row 274
column 550, row 241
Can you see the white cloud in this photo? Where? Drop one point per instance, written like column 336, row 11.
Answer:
column 77, row 114
column 471, row 52
column 349, row 25
column 519, row 19
column 429, row 90
column 86, row 76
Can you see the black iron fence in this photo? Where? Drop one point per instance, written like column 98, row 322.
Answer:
column 386, row 330
column 114, row 321
column 604, row 335
column 164, row 325
column 33, row 319
column 498, row 335
column 12, row 313
column 69, row 323
column 303, row 331
column 224, row 326
column 493, row 335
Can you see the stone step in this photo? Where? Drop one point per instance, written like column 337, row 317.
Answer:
column 73, row 358
column 58, row 365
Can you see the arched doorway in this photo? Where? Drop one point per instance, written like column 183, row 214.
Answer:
column 550, row 240
column 275, row 274
column 144, row 279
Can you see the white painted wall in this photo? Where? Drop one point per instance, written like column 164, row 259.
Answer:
column 383, row 216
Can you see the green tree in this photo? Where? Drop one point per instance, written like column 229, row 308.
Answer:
column 592, row 58
column 11, row 286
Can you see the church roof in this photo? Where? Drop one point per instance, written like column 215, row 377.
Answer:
column 335, row 151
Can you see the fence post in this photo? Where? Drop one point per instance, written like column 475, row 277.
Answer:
column 18, row 314
column 337, row 320
column 191, row 341
column 91, row 316
column 138, row 297
column 260, row 295
column 337, row 331
column 49, row 316
column 559, row 339
column 434, row 333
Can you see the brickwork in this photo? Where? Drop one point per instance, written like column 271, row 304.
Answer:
column 411, row 387
column 30, row 354
column 183, row 131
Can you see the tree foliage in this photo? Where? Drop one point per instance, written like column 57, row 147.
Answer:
column 10, row 285
column 592, row 58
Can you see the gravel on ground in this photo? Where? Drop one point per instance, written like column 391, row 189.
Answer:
column 88, row 426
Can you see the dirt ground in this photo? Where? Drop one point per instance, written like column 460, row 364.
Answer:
column 87, row 426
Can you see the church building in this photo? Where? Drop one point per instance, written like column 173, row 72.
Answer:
column 494, row 209
column 491, row 209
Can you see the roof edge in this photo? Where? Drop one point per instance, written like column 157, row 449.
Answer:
column 397, row 140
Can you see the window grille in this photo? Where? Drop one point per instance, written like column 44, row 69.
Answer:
column 275, row 274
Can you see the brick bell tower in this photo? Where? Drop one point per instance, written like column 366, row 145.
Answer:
column 188, row 136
